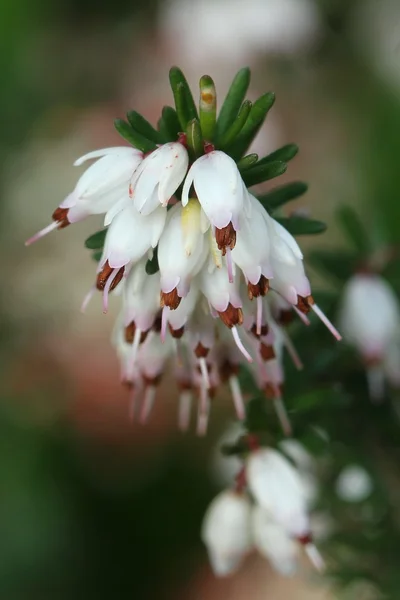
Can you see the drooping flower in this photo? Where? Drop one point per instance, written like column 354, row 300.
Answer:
column 221, row 193
column 180, row 258
column 273, row 542
column 158, row 177
column 129, row 237
column 278, row 488
column 226, row 531
column 370, row 321
column 100, row 187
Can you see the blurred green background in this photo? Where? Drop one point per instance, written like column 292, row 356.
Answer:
column 92, row 505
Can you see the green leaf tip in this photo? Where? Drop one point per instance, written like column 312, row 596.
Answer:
column 134, row 137
column 259, row 174
column 301, row 225
column 208, row 107
column 282, row 194
column 233, row 101
column 184, row 103
column 194, row 138
column 96, row 240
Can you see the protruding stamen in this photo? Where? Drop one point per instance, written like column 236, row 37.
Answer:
column 259, row 315
column 137, row 338
column 204, row 373
column 291, row 350
column 229, row 264
column 225, row 238
column 237, row 397
column 231, row 316
column 148, row 403
column 107, row 288
column 239, row 344
column 88, row 298
column 315, row 556
column 185, row 405
column 203, row 412
column 326, row 321
column 164, row 323
column 302, row 316
column 40, row 234
column 376, row 382
column 283, row 416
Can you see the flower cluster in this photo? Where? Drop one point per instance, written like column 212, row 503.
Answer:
column 267, row 510
column 207, row 276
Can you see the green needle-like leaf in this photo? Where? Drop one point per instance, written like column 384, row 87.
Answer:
column 301, row 225
column 184, row 103
column 133, row 137
column 354, row 229
column 230, row 135
column 256, row 118
column 286, row 153
column 96, row 241
column 194, row 138
column 142, row 126
column 169, row 124
column 282, row 194
column 208, row 107
column 258, row 174
column 97, row 254
column 232, row 103
column 247, row 161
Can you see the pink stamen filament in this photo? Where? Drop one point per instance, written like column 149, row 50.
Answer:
column 203, row 412
column 185, row 405
column 259, row 315
column 148, row 403
column 283, row 416
column 237, row 397
column 315, row 556
column 88, row 298
column 164, row 323
column 204, row 373
column 240, row 346
column 326, row 321
column 301, row 315
column 40, row 234
column 133, row 352
column 106, row 290
column 292, row 350
column 229, row 264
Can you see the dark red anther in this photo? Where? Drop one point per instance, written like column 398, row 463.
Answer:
column 61, row 216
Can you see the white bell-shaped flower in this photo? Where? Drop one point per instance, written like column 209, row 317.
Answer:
column 277, row 486
column 219, row 292
column 178, row 318
column 153, row 355
column 251, row 251
column 226, row 531
column 141, row 297
column 131, row 235
column 100, row 187
column 177, row 266
column 159, row 176
column 219, row 188
column 274, row 543
column 370, row 315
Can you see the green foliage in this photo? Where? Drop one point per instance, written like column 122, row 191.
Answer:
column 302, row 225
column 232, row 103
column 354, row 229
column 259, row 174
column 184, row 103
column 286, row 153
column 169, row 125
column 134, row 137
column 143, row 127
column 194, row 138
column 230, row 135
column 283, row 194
column 247, row 161
column 256, row 118
column 208, row 107
column 96, row 240
column 152, row 264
